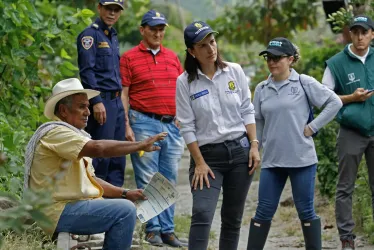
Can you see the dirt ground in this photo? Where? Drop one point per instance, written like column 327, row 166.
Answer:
column 285, row 232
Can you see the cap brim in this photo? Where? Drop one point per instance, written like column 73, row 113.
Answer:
column 111, row 3
column 272, row 51
column 155, row 23
column 49, row 108
column 363, row 25
column 203, row 35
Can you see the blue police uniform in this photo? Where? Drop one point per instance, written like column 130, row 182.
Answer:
column 98, row 60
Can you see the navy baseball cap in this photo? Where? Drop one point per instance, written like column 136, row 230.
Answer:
column 110, row 2
column 196, row 32
column 153, row 18
column 363, row 21
column 279, row 46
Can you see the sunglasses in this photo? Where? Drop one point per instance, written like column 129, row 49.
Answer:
column 275, row 59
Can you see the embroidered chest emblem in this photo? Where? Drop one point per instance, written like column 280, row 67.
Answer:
column 351, row 77
column 232, row 85
column 87, row 42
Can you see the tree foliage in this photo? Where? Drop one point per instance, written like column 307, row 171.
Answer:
column 37, row 48
column 261, row 21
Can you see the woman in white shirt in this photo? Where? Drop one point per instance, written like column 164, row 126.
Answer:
column 218, row 125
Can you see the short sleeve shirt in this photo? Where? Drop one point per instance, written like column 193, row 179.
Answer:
column 56, row 168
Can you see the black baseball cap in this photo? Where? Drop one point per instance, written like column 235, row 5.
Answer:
column 196, row 32
column 363, row 21
column 153, row 18
column 110, row 2
column 279, row 46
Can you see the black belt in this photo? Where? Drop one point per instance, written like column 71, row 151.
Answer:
column 110, row 94
column 161, row 118
column 236, row 140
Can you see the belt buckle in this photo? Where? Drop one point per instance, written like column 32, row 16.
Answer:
column 166, row 118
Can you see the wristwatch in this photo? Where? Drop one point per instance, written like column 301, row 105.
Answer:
column 124, row 193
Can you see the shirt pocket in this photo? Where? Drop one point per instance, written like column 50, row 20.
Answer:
column 104, row 59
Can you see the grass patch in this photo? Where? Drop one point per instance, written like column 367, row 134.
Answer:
column 31, row 239
column 182, row 224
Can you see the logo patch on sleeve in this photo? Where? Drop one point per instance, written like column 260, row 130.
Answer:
column 87, row 42
column 199, row 94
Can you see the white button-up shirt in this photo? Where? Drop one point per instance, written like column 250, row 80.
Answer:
column 212, row 111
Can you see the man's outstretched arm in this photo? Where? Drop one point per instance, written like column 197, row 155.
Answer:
column 111, row 148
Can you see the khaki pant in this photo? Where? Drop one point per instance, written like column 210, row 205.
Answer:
column 351, row 146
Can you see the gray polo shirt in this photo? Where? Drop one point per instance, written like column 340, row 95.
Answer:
column 212, row 111
column 281, row 116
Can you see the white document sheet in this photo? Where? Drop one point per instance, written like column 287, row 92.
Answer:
column 161, row 194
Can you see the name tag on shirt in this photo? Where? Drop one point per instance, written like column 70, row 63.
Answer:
column 199, row 94
column 103, row 45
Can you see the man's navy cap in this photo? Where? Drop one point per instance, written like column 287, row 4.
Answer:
column 363, row 21
column 153, row 18
column 110, row 2
column 196, row 32
column 279, row 46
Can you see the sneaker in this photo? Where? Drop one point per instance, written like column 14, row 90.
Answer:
column 348, row 244
column 154, row 238
column 172, row 240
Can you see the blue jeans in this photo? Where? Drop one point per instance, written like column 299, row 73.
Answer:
column 272, row 182
column 165, row 161
column 115, row 217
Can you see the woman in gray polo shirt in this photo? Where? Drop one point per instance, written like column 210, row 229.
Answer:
column 284, row 128
column 218, row 125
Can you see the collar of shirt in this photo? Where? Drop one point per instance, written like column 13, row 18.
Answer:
column 143, row 48
column 218, row 72
column 349, row 52
column 105, row 27
column 294, row 76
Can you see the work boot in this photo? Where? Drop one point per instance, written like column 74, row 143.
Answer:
column 172, row 240
column 312, row 234
column 348, row 244
column 258, row 233
column 154, row 238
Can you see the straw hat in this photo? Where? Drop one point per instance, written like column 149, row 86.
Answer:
column 63, row 89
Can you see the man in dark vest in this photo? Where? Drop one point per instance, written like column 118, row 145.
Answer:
column 350, row 73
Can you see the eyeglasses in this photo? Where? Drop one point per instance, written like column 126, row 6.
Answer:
column 274, row 58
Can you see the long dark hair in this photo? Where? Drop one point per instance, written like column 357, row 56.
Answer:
column 191, row 65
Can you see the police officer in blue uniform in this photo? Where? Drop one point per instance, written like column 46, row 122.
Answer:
column 98, row 60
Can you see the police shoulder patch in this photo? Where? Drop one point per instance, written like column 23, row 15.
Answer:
column 87, row 42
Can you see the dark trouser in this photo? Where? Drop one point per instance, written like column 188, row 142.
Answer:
column 109, row 169
column 229, row 163
column 351, row 146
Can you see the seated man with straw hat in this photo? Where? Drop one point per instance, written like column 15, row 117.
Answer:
column 58, row 161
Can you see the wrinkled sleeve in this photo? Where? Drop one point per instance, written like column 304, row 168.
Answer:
column 86, row 63
column 185, row 114
column 328, row 79
column 320, row 95
column 247, row 110
column 125, row 70
column 332, row 107
column 260, row 122
column 64, row 142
